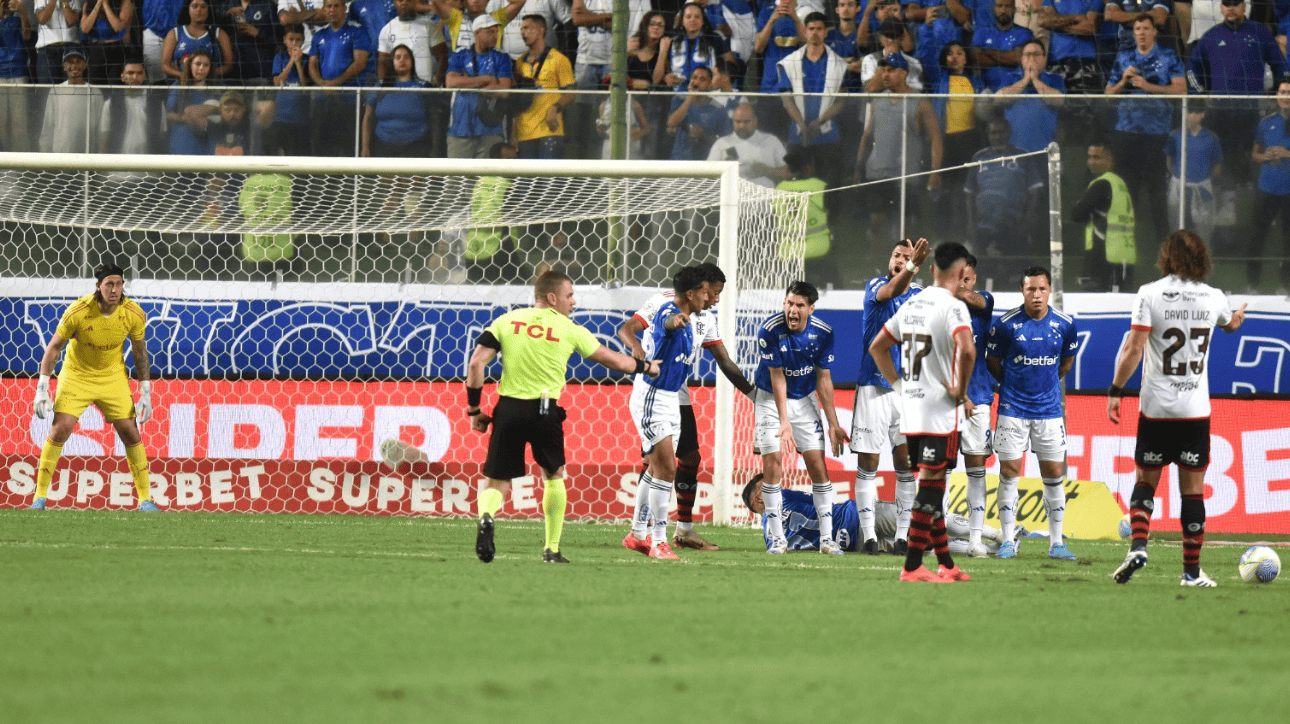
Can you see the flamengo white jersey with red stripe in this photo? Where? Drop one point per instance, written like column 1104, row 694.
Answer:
column 704, row 323
column 924, row 327
column 1180, row 317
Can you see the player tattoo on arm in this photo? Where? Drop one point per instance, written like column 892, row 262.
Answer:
column 142, row 363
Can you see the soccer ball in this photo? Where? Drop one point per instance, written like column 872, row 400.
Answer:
column 1126, row 528
column 1259, row 564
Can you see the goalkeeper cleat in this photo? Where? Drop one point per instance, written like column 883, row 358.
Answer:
column 38, row 504
column 1061, row 553
column 148, row 506
column 690, row 539
column 830, row 548
column 1198, row 581
column 484, row 547
column 900, row 547
column 550, row 556
column 640, row 545
column 778, row 547
column 663, row 552
column 1132, row 562
column 921, row 575
column 952, row 574
column 871, row 547
column 1007, row 550
column 978, row 550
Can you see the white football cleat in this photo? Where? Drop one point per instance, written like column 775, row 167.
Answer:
column 1199, row 581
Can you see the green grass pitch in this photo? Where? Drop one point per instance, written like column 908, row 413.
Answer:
column 129, row 617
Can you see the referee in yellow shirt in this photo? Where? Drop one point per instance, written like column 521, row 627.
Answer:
column 97, row 326
column 536, row 343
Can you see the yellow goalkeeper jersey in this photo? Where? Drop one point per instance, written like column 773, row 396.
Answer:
column 95, row 351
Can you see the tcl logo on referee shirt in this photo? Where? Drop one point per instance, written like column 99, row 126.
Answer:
column 535, row 331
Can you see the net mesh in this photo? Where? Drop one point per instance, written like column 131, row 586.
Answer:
column 308, row 333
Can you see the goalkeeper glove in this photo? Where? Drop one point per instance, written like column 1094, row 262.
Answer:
column 144, row 411
column 42, row 404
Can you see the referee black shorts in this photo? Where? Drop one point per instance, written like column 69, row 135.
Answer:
column 516, row 423
column 1163, row 442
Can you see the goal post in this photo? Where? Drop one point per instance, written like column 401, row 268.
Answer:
column 347, row 292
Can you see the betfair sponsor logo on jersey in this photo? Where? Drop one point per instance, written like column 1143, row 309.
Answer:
column 1027, row 361
column 800, row 371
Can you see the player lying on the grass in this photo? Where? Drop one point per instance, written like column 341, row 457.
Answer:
column 688, row 456
column 1172, row 321
column 795, row 354
column 802, row 524
column 94, row 372
column 935, row 337
column 656, row 410
column 536, row 343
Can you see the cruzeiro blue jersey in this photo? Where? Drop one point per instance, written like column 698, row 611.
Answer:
column 876, row 314
column 981, row 386
column 798, row 354
column 674, row 350
column 1031, row 350
column 802, row 524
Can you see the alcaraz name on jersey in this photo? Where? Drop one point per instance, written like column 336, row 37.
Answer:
column 802, row 524
column 876, row 314
column 674, row 350
column 981, row 386
column 1031, row 350
column 800, row 354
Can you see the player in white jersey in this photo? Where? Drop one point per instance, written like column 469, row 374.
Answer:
column 688, row 456
column 934, row 332
column 1173, row 319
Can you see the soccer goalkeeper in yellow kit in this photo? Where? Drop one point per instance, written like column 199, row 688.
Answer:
column 94, row 372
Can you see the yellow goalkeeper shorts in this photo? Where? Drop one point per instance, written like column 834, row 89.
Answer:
column 112, row 397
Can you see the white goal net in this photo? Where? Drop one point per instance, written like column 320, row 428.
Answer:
column 305, row 312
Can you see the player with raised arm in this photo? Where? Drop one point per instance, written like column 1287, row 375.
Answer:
column 1173, row 319
column 794, row 379
column 688, row 456
column 656, row 410
column 934, row 332
column 1029, row 350
column 536, row 343
column 975, row 438
column 875, row 420
column 97, row 326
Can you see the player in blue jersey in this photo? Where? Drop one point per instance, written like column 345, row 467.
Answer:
column 1030, row 349
column 656, row 409
column 793, row 380
column 974, row 440
column 875, row 421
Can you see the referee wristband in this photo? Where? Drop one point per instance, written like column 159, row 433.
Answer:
column 473, row 396
column 1115, row 391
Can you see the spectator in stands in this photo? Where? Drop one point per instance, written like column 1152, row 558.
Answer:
column 255, row 39
column 815, row 68
column 957, row 115
column 1106, row 211
column 421, row 35
column 1142, row 125
column 1033, row 120
column 694, row 45
column 229, row 132
column 1028, row 14
column 289, row 134
column 1125, row 13
column 892, row 37
column 1003, row 198
column 158, row 18
column 779, row 32
column 395, row 125
column 308, row 13
column 1073, row 26
column 638, row 129
column 1198, row 16
column 736, row 22
column 15, row 31
column 1204, row 164
column 844, row 41
column 972, row 14
column 196, row 30
column 874, row 15
column 595, row 22
column 131, row 120
column 931, row 38
column 477, row 68
column 642, row 50
column 554, row 12
column 539, row 130
column 760, row 155
column 373, row 15
column 187, row 101
column 1272, row 153
column 1230, row 60
column 459, row 20
column 72, row 110
column 338, row 58
column 105, row 30
column 696, row 121
column 999, row 43
column 59, row 31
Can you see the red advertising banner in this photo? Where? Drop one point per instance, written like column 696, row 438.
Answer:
column 313, row 447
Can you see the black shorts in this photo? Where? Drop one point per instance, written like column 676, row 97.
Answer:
column 933, row 452
column 516, row 423
column 1162, row 442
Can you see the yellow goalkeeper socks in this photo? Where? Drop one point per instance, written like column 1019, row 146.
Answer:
column 49, row 454
column 553, row 504
column 490, row 501
column 138, row 461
